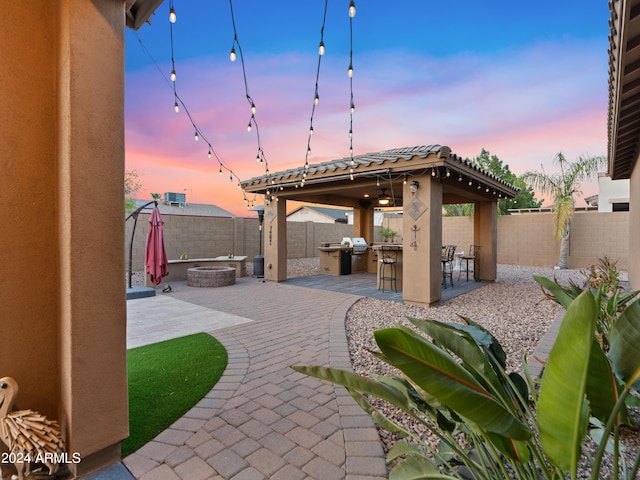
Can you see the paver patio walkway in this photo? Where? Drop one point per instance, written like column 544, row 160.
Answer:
column 262, row 419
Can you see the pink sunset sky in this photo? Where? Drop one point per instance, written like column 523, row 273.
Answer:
column 523, row 102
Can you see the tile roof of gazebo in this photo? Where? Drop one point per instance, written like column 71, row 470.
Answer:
column 463, row 182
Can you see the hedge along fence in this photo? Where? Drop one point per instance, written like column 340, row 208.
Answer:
column 523, row 239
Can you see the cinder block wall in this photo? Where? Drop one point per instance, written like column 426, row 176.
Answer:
column 205, row 237
column 525, row 239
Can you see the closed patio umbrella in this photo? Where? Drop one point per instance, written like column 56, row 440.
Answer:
column 155, row 259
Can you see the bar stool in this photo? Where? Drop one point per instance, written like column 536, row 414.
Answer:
column 472, row 255
column 448, row 252
column 388, row 261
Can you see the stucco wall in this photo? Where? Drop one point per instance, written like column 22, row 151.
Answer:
column 63, row 308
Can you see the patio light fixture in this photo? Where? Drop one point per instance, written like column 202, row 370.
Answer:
column 383, row 199
column 413, row 187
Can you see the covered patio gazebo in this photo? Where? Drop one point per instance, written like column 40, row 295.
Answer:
column 419, row 179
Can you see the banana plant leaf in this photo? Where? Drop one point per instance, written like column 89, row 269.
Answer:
column 436, row 372
column 493, row 346
column 563, row 296
column 603, row 387
column 562, row 410
column 417, row 468
column 463, row 344
column 515, row 450
column 358, row 383
column 624, row 345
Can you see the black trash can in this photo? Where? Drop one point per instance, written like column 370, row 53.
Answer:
column 345, row 262
column 258, row 266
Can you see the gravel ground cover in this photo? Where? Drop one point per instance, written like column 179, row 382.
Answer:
column 513, row 309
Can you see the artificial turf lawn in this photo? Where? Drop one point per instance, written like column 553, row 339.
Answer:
column 165, row 380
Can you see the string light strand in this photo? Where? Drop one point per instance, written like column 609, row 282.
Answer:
column 316, row 97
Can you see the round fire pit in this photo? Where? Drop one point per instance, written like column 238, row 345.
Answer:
column 211, row 276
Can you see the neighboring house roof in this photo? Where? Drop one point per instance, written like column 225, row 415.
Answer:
column 592, row 200
column 194, row 209
column 624, row 87
column 334, row 213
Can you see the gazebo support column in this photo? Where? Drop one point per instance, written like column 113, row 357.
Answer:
column 275, row 241
column 422, row 245
column 485, row 234
column 363, row 221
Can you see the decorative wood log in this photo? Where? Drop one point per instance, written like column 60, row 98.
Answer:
column 30, row 437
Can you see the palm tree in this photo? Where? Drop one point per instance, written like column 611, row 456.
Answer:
column 562, row 187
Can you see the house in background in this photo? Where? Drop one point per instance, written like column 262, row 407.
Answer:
column 612, row 196
column 624, row 115
column 184, row 208
column 308, row 213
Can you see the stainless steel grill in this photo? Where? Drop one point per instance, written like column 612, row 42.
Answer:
column 357, row 244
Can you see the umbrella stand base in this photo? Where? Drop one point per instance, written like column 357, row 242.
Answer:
column 140, row 292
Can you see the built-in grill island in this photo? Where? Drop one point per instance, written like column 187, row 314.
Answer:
column 344, row 258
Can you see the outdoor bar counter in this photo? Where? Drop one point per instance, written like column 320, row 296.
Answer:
column 396, row 248
column 339, row 259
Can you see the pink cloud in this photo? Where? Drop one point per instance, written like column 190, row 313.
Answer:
column 523, row 106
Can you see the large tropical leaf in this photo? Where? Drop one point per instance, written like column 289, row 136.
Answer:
column 493, row 345
column 562, row 296
column 461, row 342
column 562, row 410
column 358, row 383
column 417, row 468
column 436, row 372
column 624, row 349
column 518, row 451
column 602, row 387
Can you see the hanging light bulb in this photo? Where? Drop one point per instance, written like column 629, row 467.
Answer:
column 253, row 108
column 232, row 54
column 433, row 172
column 173, row 75
column 195, row 136
column 352, row 9
column 316, row 99
column 448, row 173
column 308, row 150
column 209, row 154
column 487, row 190
column 231, row 177
column 404, row 182
column 350, row 71
column 176, row 107
column 321, row 48
column 350, row 133
column 470, row 182
column 377, row 181
column 460, row 178
column 249, row 126
column 220, row 171
column 311, row 130
column 172, row 15
column 258, row 158
column 353, row 107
